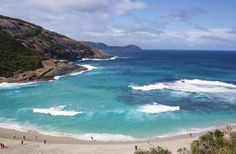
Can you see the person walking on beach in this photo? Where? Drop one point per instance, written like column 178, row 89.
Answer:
column 24, row 137
column 44, row 141
column 91, row 138
column 36, row 138
column 22, row 142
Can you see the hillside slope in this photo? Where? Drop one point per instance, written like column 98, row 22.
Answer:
column 29, row 52
column 103, row 46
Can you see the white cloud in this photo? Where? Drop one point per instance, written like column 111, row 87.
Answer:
column 127, row 5
column 101, row 21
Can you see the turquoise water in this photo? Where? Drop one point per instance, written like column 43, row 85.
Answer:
column 138, row 95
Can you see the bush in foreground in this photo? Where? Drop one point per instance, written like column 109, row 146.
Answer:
column 215, row 142
column 158, row 150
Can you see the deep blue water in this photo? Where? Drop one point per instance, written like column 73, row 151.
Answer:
column 139, row 94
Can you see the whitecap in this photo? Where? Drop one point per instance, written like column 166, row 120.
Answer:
column 89, row 67
column 195, row 86
column 157, row 108
column 96, row 59
column 56, row 111
column 5, row 85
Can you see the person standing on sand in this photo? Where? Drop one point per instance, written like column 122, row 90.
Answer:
column 44, row 141
column 24, row 137
column 22, row 142
column 36, row 138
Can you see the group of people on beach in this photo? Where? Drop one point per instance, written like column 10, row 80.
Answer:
column 2, row 145
column 22, row 141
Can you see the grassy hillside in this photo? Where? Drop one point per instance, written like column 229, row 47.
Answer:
column 15, row 57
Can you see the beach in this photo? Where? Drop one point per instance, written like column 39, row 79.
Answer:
column 65, row 145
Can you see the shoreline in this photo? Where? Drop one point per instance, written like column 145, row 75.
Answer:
column 65, row 145
column 57, row 137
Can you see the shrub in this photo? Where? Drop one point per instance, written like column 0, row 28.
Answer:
column 215, row 142
column 158, row 150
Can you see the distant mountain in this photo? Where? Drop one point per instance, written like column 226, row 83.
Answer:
column 29, row 52
column 104, row 47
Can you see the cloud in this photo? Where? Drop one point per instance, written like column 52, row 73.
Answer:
column 127, row 5
column 117, row 22
column 184, row 15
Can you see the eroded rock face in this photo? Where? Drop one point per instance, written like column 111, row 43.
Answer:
column 50, row 69
column 52, row 44
column 53, row 50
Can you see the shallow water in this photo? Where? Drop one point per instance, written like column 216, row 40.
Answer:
column 138, row 95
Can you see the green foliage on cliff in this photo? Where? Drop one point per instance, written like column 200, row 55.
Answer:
column 15, row 57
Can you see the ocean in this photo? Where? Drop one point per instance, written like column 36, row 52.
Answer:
column 136, row 95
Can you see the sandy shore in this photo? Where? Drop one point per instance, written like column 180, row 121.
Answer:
column 69, row 145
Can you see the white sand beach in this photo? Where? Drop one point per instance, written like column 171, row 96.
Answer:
column 68, row 145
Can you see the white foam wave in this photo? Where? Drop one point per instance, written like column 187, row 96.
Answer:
column 105, row 137
column 157, row 108
column 13, row 126
column 5, row 85
column 194, row 85
column 187, row 131
column 56, row 111
column 113, row 58
column 89, row 67
column 96, row 59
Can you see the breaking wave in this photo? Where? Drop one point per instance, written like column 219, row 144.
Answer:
column 195, row 86
column 5, row 85
column 56, row 111
column 89, row 67
column 157, row 108
column 91, row 59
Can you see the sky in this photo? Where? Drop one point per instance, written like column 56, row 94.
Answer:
column 150, row 24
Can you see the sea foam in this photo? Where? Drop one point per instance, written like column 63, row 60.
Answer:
column 157, row 108
column 5, row 85
column 56, row 111
column 89, row 67
column 195, row 86
column 90, row 59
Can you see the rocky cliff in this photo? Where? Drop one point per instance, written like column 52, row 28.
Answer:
column 29, row 52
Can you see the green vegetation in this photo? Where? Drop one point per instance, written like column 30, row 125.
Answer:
column 215, row 142
column 15, row 57
column 158, row 150
column 183, row 151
